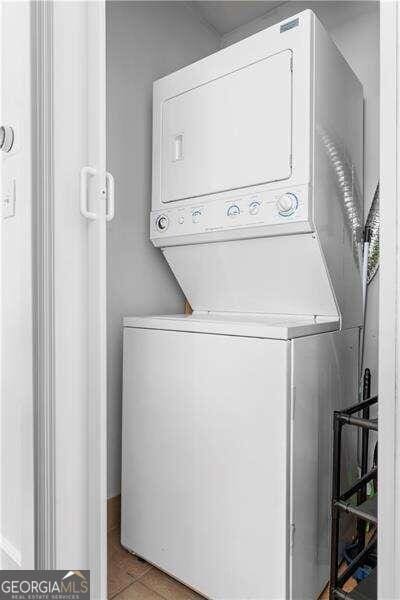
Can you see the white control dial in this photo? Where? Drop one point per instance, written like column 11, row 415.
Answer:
column 162, row 222
column 233, row 211
column 287, row 204
column 254, row 208
column 196, row 215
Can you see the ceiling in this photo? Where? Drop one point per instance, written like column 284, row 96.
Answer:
column 226, row 16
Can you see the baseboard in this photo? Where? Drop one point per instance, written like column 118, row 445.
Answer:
column 113, row 512
column 11, row 552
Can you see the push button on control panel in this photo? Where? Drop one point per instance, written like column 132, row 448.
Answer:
column 196, row 216
column 254, row 208
column 162, row 222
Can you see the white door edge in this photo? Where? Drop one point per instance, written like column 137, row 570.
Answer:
column 389, row 323
column 71, row 418
column 97, row 349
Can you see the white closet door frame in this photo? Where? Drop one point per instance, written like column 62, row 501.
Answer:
column 74, row 192
column 389, row 329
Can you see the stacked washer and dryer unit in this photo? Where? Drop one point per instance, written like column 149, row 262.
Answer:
column 227, row 411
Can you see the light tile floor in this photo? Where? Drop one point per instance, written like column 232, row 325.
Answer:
column 130, row 578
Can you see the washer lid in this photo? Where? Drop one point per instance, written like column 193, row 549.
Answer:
column 283, row 327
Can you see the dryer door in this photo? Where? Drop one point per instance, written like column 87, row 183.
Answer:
column 232, row 132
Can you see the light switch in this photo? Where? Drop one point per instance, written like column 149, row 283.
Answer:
column 9, row 200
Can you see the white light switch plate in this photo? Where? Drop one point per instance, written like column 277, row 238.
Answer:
column 9, row 200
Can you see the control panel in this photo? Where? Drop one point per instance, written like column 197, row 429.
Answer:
column 259, row 209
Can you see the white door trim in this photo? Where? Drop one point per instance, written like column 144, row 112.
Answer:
column 43, row 266
column 389, row 323
column 70, row 289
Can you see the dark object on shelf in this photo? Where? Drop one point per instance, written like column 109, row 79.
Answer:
column 368, row 588
column 365, row 509
column 350, row 552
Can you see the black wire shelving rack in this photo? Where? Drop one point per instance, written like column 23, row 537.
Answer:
column 364, row 509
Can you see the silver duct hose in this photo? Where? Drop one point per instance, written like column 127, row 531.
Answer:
column 348, row 188
column 373, row 226
column 352, row 205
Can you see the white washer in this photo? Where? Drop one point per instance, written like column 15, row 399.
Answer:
column 226, row 449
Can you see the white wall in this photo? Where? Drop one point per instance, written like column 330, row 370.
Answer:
column 145, row 41
column 354, row 26
column 16, row 451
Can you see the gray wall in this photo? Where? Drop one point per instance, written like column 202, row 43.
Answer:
column 354, row 26
column 145, row 41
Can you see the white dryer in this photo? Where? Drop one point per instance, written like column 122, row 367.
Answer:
column 257, row 208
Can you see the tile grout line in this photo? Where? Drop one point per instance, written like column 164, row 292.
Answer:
column 141, row 583
column 148, row 587
column 154, row 591
column 170, row 577
column 123, row 589
column 138, row 577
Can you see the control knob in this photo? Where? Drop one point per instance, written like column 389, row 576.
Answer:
column 233, row 210
column 287, row 204
column 162, row 222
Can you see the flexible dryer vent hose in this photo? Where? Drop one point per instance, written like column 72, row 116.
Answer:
column 373, row 225
column 348, row 188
